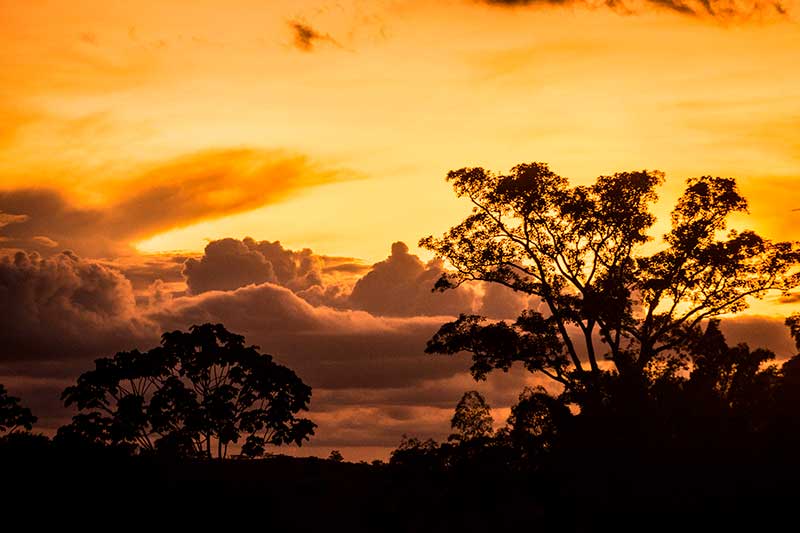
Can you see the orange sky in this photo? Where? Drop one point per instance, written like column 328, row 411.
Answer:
column 390, row 96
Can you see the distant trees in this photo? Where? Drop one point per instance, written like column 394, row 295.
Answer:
column 619, row 314
column 336, row 456
column 194, row 395
column 13, row 416
column 472, row 418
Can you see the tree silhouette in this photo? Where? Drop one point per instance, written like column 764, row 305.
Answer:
column 793, row 322
column 193, row 395
column 536, row 420
column 336, row 456
column 608, row 293
column 13, row 416
column 472, row 418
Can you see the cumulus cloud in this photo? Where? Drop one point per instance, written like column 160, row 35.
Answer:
column 63, row 308
column 228, row 264
column 715, row 9
column 330, row 348
column 402, row 286
column 175, row 193
column 498, row 301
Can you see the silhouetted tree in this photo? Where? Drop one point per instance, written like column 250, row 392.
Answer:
column 536, row 420
column 336, row 456
column 193, row 395
column 793, row 322
column 606, row 296
column 472, row 418
column 13, row 416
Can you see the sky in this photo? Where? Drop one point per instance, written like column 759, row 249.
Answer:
column 151, row 139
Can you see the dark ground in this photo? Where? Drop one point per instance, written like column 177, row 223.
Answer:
column 282, row 493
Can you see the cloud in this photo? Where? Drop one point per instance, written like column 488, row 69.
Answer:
column 6, row 219
column 176, row 193
column 790, row 298
column 64, row 308
column 228, row 264
column 211, row 184
column 498, row 301
column 306, row 37
column 716, row 9
column 760, row 332
column 329, row 348
column 47, row 213
column 402, row 286
column 143, row 270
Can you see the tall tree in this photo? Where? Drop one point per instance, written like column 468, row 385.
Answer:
column 608, row 293
column 472, row 418
column 195, row 394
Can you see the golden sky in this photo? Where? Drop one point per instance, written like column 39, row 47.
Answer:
column 378, row 100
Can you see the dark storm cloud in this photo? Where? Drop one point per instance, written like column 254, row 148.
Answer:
column 716, row 9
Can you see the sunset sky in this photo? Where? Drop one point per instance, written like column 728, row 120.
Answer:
column 133, row 134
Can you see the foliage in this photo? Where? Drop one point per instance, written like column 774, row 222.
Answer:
column 536, row 419
column 416, row 454
column 793, row 322
column 193, row 395
column 336, row 456
column 13, row 416
column 608, row 294
column 472, row 418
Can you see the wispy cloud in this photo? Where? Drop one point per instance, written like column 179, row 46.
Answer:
column 715, row 9
column 175, row 193
column 306, row 37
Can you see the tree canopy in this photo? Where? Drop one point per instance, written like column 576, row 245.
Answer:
column 14, row 416
column 472, row 418
column 193, row 395
column 613, row 302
